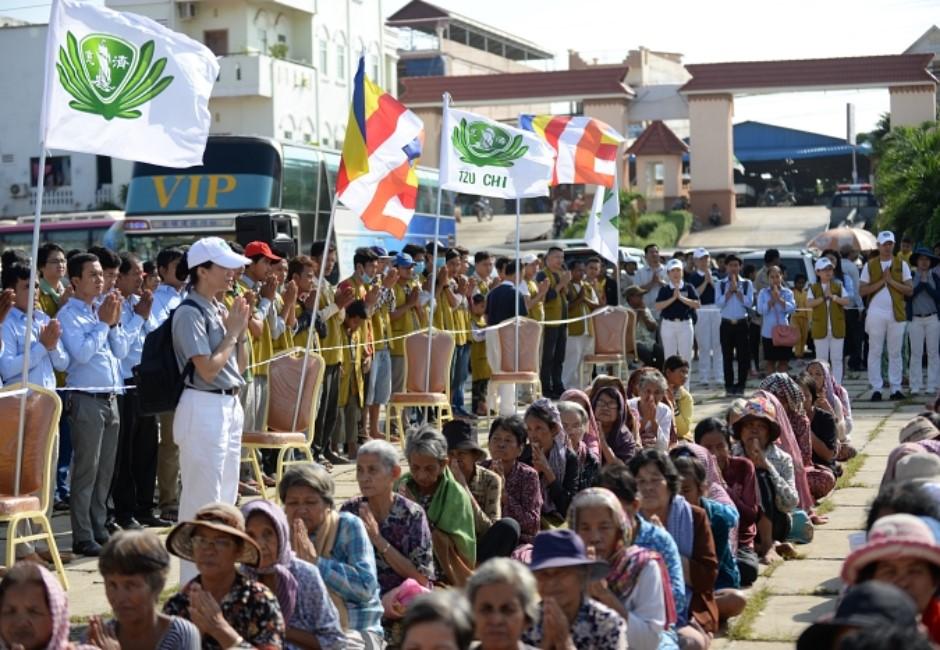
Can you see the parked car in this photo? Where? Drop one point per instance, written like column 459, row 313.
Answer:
column 853, row 205
column 793, row 261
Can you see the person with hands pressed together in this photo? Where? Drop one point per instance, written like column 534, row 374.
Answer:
column 735, row 295
column 924, row 328
column 676, row 302
column 54, row 287
column 549, row 455
column 775, row 304
column 211, row 351
column 379, row 389
column 651, row 277
column 229, row 608
column 92, row 337
column 656, row 417
column 886, row 282
column 554, row 337
column 707, row 329
column 582, row 300
column 504, row 601
column 828, row 300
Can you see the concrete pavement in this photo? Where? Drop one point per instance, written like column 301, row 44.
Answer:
column 762, row 228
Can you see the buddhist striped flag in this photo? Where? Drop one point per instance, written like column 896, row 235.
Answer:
column 377, row 179
column 586, row 147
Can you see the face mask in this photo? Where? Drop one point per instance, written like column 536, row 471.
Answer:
column 419, row 267
column 366, row 278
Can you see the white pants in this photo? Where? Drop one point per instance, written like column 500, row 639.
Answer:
column 207, row 427
column 708, row 336
column 575, row 349
column 830, row 349
column 921, row 329
column 677, row 338
column 880, row 327
column 506, row 392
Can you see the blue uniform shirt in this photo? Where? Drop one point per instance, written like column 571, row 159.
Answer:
column 94, row 349
column 42, row 362
column 165, row 300
column 735, row 306
column 135, row 329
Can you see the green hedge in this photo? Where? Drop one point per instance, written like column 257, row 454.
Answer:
column 662, row 229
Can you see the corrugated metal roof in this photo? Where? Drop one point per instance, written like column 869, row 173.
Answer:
column 759, row 141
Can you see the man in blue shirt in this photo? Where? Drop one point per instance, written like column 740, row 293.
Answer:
column 734, row 296
column 95, row 344
column 135, row 473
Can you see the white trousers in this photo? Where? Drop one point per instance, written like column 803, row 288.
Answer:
column 830, row 349
column 505, row 392
column 207, row 427
column 708, row 336
column 575, row 349
column 921, row 330
column 879, row 328
column 677, row 338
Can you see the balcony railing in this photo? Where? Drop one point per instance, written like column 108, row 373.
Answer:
column 253, row 74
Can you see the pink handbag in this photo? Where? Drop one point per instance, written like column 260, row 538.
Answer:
column 785, row 336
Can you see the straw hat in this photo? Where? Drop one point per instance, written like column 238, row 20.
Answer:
column 918, row 428
column 215, row 516
column 760, row 408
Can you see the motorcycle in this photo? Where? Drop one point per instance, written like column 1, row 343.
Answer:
column 483, row 209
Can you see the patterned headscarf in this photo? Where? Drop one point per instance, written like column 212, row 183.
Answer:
column 556, row 455
column 58, row 610
column 591, row 437
column 622, row 440
column 785, row 389
column 787, row 441
column 833, row 395
column 717, row 488
column 286, row 585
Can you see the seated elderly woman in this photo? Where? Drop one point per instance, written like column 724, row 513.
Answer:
column 567, row 616
column 503, row 599
column 910, row 497
column 688, row 525
column 617, row 426
column 134, row 564
column 34, row 610
column 755, row 431
column 438, row 621
column 229, row 608
column 839, row 402
column 397, row 527
column 338, row 544
column 431, row 484
column 636, row 585
column 549, row 454
column 497, row 536
column 522, row 496
column 310, row 617
column 723, row 519
column 740, row 480
column 656, row 427
column 903, row 550
column 574, row 421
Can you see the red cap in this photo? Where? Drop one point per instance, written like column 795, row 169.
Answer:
column 260, row 248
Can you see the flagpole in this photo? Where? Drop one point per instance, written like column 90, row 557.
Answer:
column 518, row 280
column 30, row 310
column 311, row 333
column 445, row 103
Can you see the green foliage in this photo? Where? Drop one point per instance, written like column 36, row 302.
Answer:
column 662, row 229
column 909, row 182
column 278, row 50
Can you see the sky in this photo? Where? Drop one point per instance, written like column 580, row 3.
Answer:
column 704, row 31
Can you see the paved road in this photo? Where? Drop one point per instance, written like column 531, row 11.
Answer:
column 477, row 235
column 764, row 227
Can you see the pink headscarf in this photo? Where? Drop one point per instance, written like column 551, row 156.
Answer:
column 717, row 489
column 591, row 438
column 286, row 585
column 788, row 443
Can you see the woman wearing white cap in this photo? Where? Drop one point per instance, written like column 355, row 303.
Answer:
column 676, row 302
column 828, row 300
column 210, row 349
column 886, row 282
column 707, row 329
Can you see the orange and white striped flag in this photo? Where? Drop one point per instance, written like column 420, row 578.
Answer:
column 586, row 147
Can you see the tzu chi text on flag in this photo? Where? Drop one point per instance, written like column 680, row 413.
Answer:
column 377, row 179
column 122, row 85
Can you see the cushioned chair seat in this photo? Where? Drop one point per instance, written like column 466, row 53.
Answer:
column 514, row 376
column 602, row 358
column 273, row 438
column 11, row 505
column 418, row 398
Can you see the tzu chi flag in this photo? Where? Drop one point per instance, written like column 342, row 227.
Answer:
column 122, row 85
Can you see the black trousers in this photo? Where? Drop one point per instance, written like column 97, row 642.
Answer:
column 135, row 469
column 499, row 541
column 554, row 341
column 328, row 413
column 734, row 341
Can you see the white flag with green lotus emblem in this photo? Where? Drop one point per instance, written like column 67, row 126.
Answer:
column 122, row 85
column 488, row 158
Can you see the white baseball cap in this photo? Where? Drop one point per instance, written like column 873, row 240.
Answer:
column 885, row 236
column 217, row 251
column 529, row 258
column 629, row 259
column 823, row 263
column 673, row 264
column 699, row 253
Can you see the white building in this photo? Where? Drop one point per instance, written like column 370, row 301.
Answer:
column 286, row 72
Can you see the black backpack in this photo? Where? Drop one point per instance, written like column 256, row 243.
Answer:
column 157, row 377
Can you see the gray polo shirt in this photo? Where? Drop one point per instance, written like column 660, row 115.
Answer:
column 197, row 333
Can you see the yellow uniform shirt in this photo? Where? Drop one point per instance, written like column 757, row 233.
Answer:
column 352, row 354
column 262, row 347
column 536, row 311
column 405, row 324
column 332, row 344
column 580, row 327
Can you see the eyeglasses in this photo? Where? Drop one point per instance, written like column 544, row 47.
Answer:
column 604, row 404
column 217, row 544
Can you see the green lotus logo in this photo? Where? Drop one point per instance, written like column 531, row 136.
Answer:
column 486, row 145
column 108, row 76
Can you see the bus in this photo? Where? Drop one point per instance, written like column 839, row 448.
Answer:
column 70, row 230
column 255, row 175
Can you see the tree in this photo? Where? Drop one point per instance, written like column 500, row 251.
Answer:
column 909, row 181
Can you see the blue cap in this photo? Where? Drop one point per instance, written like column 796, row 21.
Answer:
column 381, row 252
column 404, row 259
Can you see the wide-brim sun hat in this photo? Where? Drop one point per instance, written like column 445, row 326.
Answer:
column 894, row 537
column 758, row 408
column 220, row 517
column 923, row 251
column 922, row 467
column 562, row 548
column 918, row 428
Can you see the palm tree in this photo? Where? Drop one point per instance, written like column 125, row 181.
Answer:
column 909, row 181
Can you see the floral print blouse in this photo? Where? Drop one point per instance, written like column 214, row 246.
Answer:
column 596, row 626
column 406, row 528
column 523, row 499
column 249, row 607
